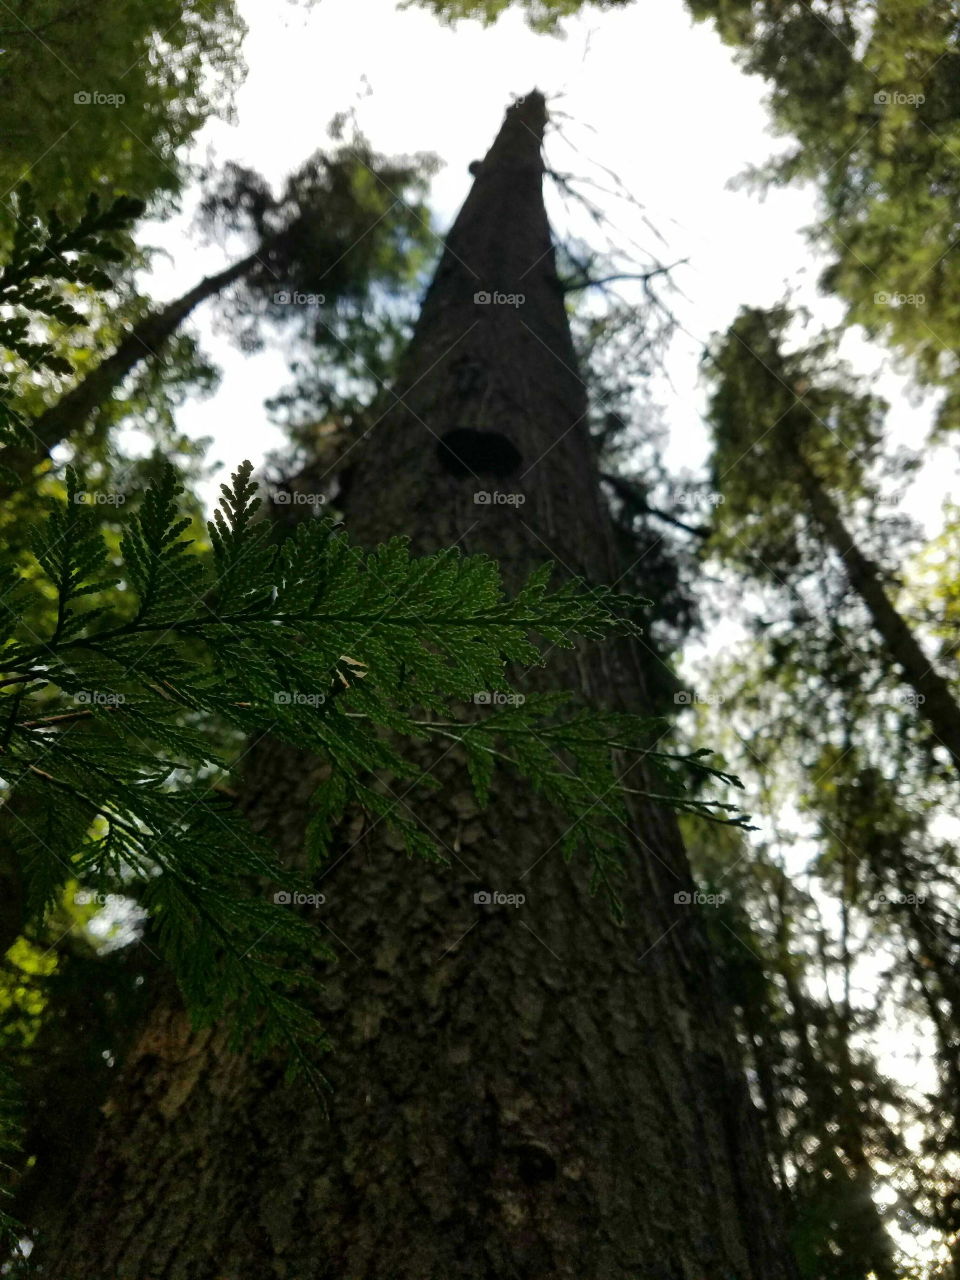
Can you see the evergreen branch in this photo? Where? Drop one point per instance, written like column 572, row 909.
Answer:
column 251, row 640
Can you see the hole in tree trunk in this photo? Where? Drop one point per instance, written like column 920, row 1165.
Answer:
column 464, row 452
column 535, row 1163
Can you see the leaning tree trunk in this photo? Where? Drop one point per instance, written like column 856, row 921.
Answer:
column 73, row 410
column 934, row 698
column 526, row 1092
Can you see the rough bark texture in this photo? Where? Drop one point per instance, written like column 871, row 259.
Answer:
column 527, row 1092
column 936, row 703
column 73, row 410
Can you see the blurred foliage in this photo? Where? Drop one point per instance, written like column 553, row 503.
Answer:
column 46, row 258
column 341, row 248
column 543, row 15
column 351, row 223
column 855, row 934
column 823, row 1100
column 869, row 94
column 174, row 64
column 770, row 408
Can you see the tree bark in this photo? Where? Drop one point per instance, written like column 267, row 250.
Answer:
column 74, row 409
column 935, row 700
column 528, row 1093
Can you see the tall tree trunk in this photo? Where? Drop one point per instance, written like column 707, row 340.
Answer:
column 527, row 1092
column 935, row 700
column 145, row 339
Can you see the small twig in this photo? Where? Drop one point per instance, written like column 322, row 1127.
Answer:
column 25, row 679
column 68, row 715
column 645, row 276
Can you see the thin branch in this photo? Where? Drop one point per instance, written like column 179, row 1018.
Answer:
column 644, row 276
column 633, row 493
column 48, row 720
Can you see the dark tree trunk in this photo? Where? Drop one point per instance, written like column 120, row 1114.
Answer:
column 526, row 1092
column 935, row 700
column 73, row 410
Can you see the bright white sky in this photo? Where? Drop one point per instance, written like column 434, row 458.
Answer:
column 644, row 92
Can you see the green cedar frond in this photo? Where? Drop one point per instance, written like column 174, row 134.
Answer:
column 112, row 724
column 47, row 254
column 329, row 647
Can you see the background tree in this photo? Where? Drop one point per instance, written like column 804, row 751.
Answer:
column 786, row 426
column 339, row 232
column 543, row 15
column 173, row 64
column 812, row 707
column 869, row 93
column 823, row 1099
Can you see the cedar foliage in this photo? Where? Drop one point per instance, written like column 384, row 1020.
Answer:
column 124, row 672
